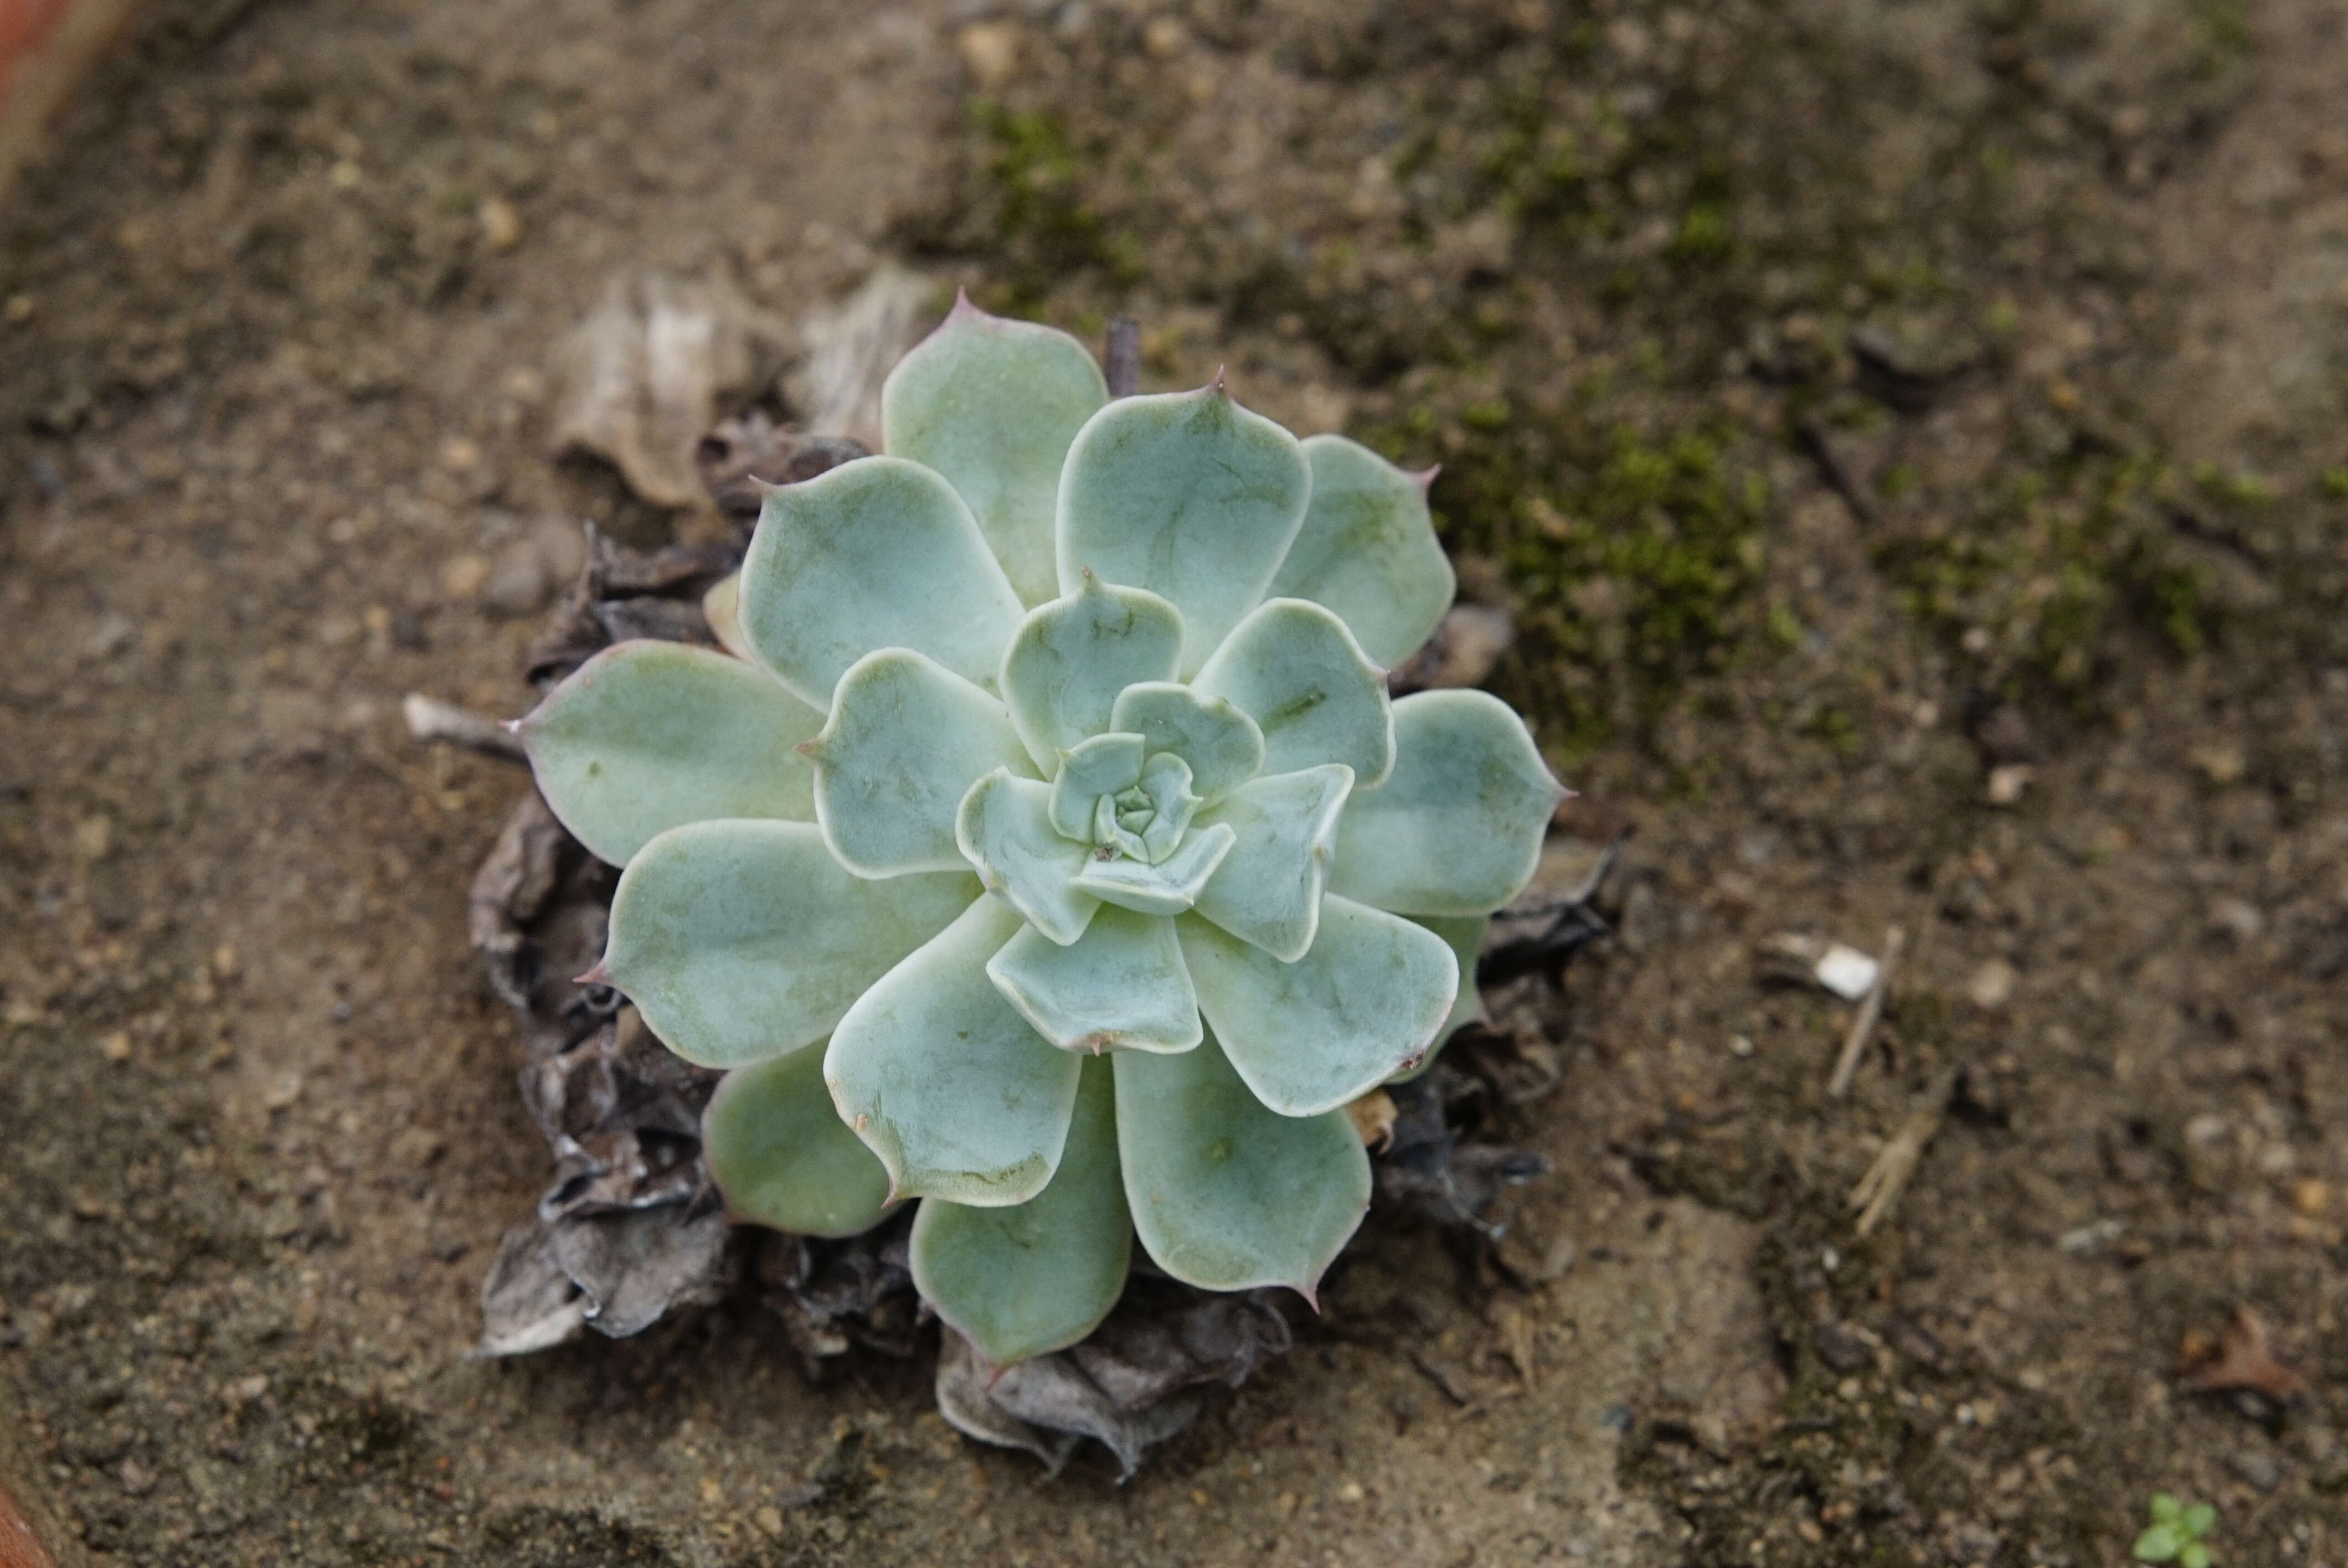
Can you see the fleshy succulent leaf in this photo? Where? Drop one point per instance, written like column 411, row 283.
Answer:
column 1167, row 887
column 1071, row 657
column 1021, row 1281
column 1187, row 495
column 1295, row 669
column 876, row 553
column 1101, row 766
column 1165, row 786
column 1004, row 828
column 1222, row 744
column 781, row 1156
column 1226, row 1193
column 1363, row 1004
column 1367, row 550
column 647, row 736
column 742, row 940
column 1123, row 985
column 944, row 1081
column 991, row 405
column 1267, row 889
column 1466, row 935
column 1456, row 829
column 906, row 740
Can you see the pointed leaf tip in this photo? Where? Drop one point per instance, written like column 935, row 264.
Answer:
column 601, row 975
column 1425, row 478
column 1216, row 385
column 961, row 305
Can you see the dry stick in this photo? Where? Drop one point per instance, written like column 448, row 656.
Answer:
column 1854, row 1044
column 429, row 718
column 1121, row 365
column 1878, row 1191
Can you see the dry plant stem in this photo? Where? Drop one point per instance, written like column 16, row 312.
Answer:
column 1878, row 1191
column 429, row 718
column 1862, row 1025
column 1121, row 364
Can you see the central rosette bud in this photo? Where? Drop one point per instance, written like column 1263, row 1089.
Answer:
column 1124, row 800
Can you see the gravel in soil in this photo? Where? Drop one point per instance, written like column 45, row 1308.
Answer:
column 1850, row 407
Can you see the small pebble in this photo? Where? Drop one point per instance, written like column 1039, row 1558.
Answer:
column 114, row 1047
column 501, row 224
column 462, row 576
column 1992, row 984
column 518, row 583
column 2259, row 1469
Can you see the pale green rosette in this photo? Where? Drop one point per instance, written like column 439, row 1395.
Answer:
column 1045, row 848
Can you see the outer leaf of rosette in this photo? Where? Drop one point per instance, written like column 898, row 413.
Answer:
column 1364, row 1004
column 744, row 940
column 1027, row 1279
column 646, row 736
column 1227, row 1194
column 1268, row 890
column 1367, row 550
column 1222, row 743
column 1295, row 669
column 1005, row 832
column 1466, row 935
column 944, row 1081
column 1458, row 827
column 1187, row 495
column 876, row 553
column 1122, row 985
column 991, row 405
column 1070, row 657
column 780, row 1156
column 905, row 742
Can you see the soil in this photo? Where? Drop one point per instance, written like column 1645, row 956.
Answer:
column 1909, row 440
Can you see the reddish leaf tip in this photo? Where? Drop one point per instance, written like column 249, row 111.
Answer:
column 601, row 975
column 1424, row 477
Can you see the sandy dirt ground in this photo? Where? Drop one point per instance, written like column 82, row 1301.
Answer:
column 1912, row 441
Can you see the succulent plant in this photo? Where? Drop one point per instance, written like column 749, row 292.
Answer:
column 1046, row 848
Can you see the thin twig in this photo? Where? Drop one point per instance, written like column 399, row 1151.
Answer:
column 1862, row 1024
column 431, row 719
column 1121, row 365
column 1878, row 1191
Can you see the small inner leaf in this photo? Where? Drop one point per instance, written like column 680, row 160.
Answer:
column 1070, row 657
column 1222, row 744
column 1005, row 831
column 1269, row 891
column 1101, row 766
column 1167, row 887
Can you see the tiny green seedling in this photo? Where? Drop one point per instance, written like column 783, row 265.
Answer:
column 2175, row 1534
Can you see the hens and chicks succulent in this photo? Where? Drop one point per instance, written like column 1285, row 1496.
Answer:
column 1046, row 847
